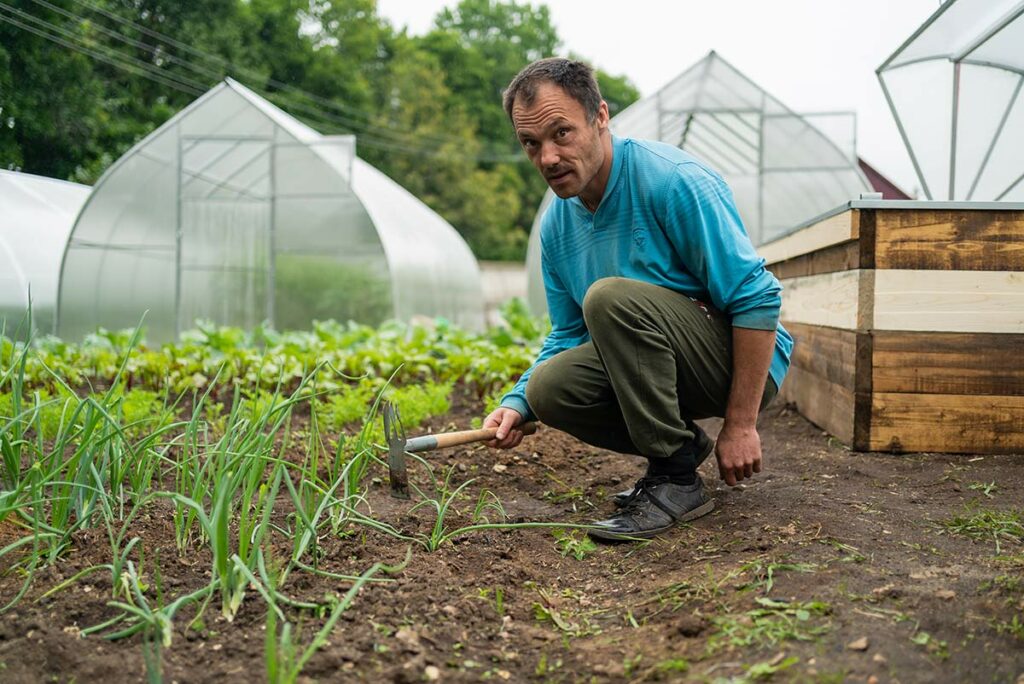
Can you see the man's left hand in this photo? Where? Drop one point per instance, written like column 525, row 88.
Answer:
column 739, row 453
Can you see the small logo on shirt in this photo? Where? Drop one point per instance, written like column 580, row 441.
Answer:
column 639, row 237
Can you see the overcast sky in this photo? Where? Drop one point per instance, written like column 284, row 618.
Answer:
column 813, row 55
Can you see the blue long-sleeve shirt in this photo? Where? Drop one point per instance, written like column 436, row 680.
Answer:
column 666, row 219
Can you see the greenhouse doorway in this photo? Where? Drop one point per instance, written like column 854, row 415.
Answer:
column 225, row 238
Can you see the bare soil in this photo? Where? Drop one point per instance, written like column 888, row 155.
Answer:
column 844, row 554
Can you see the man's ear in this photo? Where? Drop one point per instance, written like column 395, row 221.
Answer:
column 602, row 116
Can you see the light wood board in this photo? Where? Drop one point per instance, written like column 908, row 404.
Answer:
column 830, row 231
column 829, row 299
column 949, row 301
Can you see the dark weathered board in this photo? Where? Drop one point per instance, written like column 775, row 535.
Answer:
column 826, row 404
column 948, row 363
column 949, row 240
column 826, row 352
column 954, row 423
column 842, row 257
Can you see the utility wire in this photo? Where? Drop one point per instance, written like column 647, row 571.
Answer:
column 97, row 55
column 217, row 75
column 253, row 76
column 194, row 88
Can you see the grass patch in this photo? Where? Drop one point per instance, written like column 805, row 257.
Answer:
column 772, row 623
column 999, row 526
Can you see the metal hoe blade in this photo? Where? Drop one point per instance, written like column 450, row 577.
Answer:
column 394, row 433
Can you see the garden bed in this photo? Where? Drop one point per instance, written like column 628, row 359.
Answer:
column 828, row 566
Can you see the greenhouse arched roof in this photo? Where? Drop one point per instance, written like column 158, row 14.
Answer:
column 36, row 220
column 234, row 211
column 782, row 168
column 955, row 88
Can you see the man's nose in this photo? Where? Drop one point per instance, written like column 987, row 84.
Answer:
column 549, row 154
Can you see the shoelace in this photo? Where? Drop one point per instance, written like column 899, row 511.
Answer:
column 644, row 486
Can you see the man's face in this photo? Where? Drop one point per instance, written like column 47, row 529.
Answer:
column 556, row 136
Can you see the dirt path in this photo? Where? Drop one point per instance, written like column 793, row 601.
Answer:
column 830, row 566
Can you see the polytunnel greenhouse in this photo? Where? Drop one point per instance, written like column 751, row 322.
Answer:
column 235, row 212
column 955, row 90
column 35, row 223
column 784, row 168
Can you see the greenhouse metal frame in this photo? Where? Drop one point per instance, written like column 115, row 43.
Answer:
column 237, row 213
column 955, row 90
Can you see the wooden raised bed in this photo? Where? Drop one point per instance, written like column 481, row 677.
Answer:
column 909, row 324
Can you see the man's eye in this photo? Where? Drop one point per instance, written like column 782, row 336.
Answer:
column 529, row 144
column 562, row 132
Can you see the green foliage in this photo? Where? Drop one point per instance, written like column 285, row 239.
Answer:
column 574, row 543
column 346, row 406
column 416, row 403
column 144, row 412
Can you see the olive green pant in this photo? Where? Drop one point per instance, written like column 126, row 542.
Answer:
column 656, row 361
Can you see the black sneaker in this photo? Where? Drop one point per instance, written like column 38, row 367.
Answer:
column 702, row 444
column 655, row 505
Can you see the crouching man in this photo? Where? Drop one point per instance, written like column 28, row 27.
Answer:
column 661, row 310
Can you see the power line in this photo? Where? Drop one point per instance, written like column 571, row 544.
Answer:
column 216, row 75
column 96, row 55
column 191, row 87
column 253, row 76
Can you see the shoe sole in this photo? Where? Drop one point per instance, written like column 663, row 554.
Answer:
column 619, row 498
column 699, row 511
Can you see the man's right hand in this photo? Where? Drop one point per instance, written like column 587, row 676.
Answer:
column 506, row 420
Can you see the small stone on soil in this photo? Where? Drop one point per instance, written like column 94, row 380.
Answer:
column 945, row 594
column 499, row 468
column 880, row 659
column 858, row 644
column 432, row 673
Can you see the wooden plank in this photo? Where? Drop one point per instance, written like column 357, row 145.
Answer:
column 951, row 423
column 946, row 301
column 835, row 229
column 841, row 257
column 866, row 299
column 948, row 363
column 826, row 404
column 826, row 352
column 867, row 236
column 829, row 299
column 949, row 240
column 863, row 386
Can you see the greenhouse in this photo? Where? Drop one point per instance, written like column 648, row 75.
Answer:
column 237, row 213
column 784, row 168
column 35, row 222
column 955, row 90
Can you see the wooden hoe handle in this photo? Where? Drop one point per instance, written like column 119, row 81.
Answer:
column 450, row 439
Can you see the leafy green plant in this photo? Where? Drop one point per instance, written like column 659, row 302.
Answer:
column 574, row 543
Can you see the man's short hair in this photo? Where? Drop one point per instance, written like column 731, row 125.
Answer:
column 575, row 78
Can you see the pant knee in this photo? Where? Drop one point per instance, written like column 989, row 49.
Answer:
column 603, row 296
column 540, row 392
